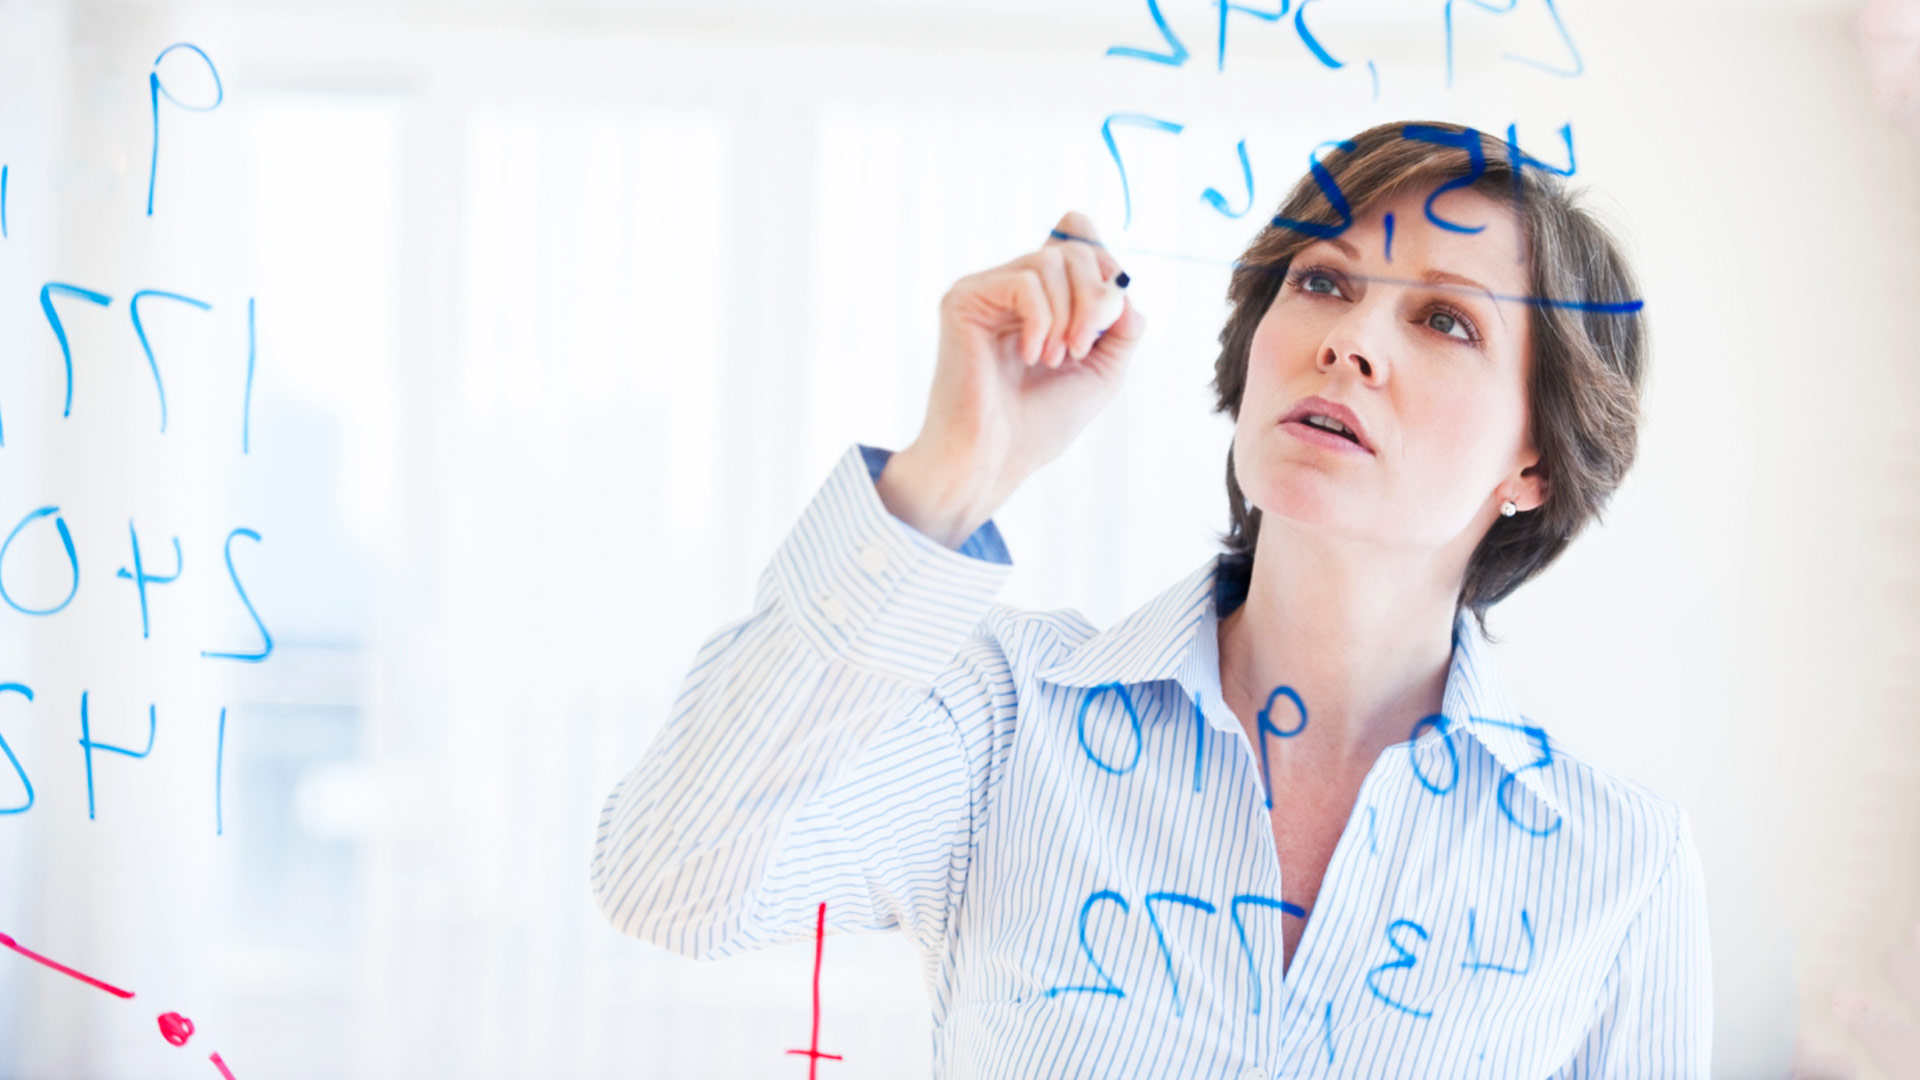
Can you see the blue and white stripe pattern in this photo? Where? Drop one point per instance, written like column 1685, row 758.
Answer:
column 1070, row 826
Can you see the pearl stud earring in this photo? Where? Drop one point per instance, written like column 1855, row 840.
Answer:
column 1507, row 509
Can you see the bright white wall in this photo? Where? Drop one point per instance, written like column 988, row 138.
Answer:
column 564, row 310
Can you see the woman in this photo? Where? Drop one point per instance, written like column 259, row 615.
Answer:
column 1282, row 820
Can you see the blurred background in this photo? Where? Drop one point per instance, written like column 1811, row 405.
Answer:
column 562, row 309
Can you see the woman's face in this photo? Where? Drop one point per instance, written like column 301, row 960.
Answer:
column 1433, row 369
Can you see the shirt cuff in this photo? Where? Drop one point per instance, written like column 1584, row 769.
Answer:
column 985, row 543
column 868, row 588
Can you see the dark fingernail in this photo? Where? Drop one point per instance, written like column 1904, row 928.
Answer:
column 1122, row 279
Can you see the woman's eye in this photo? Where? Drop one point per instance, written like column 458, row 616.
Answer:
column 1314, row 281
column 1447, row 324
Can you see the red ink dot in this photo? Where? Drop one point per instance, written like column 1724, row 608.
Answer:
column 176, row 1029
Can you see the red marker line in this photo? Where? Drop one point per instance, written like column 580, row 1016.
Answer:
column 813, row 1053
column 221, row 1065
column 62, row 968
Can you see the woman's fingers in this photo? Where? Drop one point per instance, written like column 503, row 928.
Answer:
column 1074, row 228
column 1049, row 264
column 1117, row 343
column 1027, row 296
column 1097, row 301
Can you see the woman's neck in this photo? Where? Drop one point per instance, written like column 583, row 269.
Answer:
column 1364, row 638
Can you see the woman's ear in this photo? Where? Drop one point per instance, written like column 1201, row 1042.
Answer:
column 1530, row 488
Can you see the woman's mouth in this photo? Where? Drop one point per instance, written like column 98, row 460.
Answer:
column 1310, row 430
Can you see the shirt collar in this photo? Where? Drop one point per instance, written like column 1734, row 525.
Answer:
column 1173, row 637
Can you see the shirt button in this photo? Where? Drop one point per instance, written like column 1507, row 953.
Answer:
column 831, row 607
column 873, row 559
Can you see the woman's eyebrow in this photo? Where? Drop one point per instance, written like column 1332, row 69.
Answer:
column 1431, row 277
column 1447, row 277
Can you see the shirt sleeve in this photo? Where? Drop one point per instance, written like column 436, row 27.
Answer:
column 834, row 745
column 1656, row 1018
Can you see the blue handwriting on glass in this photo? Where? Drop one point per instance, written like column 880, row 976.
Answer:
column 1246, row 948
column 1405, row 959
column 1159, row 935
column 1504, row 795
column 157, row 89
column 266, row 639
column 1176, row 53
column 1266, row 726
column 66, row 541
column 1111, row 987
column 58, row 325
column 1219, row 201
column 139, row 576
column 1473, row 961
column 88, row 746
column 1106, row 133
column 141, row 579
column 140, row 330
column 18, row 769
column 1195, row 903
column 1133, row 721
column 59, row 329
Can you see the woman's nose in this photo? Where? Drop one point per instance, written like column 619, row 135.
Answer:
column 1359, row 343
column 1331, row 357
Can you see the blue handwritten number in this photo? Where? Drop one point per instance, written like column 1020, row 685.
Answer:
column 1468, row 140
column 1406, row 959
column 1331, row 189
column 156, row 89
column 1159, row 935
column 17, row 688
column 141, row 579
column 88, row 746
column 1111, row 987
column 66, row 541
column 133, row 306
column 1219, row 201
column 1132, row 120
column 1518, row 162
column 1437, row 720
column 266, row 639
column 1176, row 53
column 1267, row 727
column 1080, row 725
column 47, row 292
column 1240, row 928
column 1227, row 6
column 1505, row 792
column 1473, row 963
column 1306, row 37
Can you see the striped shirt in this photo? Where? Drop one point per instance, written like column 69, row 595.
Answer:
column 1071, row 827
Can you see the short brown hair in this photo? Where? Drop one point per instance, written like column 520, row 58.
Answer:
column 1588, row 336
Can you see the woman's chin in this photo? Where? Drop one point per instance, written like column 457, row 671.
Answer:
column 1305, row 498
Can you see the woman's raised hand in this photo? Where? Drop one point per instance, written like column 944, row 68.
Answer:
column 1029, row 352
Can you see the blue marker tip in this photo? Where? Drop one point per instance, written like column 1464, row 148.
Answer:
column 1122, row 279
